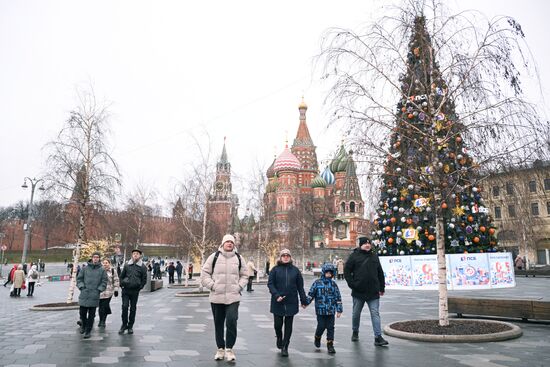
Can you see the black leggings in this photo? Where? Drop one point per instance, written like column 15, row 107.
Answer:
column 278, row 322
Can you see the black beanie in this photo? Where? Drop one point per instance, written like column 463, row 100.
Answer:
column 363, row 240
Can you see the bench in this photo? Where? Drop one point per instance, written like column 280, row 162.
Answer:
column 534, row 272
column 156, row 284
column 524, row 309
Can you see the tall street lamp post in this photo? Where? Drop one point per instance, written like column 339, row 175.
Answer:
column 27, row 227
column 2, row 235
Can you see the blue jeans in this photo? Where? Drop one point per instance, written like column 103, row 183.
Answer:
column 374, row 315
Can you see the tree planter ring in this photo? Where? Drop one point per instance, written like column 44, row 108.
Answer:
column 182, row 286
column 61, row 306
column 513, row 332
column 193, row 294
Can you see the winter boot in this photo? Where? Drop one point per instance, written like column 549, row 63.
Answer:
column 82, row 328
column 87, row 334
column 317, row 341
column 101, row 322
column 380, row 342
column 355, row 336
column 122, row 328
column 284, row 351
column 279, row 342
column 330, row 347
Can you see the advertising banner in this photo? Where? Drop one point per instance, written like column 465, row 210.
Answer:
column 502, row 270
column 397, row 271
column 469, row 271
column 464, row 271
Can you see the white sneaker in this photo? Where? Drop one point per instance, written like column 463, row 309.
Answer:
column 229, row 355
column 219, row 354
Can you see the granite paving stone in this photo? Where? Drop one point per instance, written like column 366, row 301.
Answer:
column 172, row 331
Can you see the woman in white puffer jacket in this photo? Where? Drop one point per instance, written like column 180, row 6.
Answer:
column 113, row 285
column 32, row 278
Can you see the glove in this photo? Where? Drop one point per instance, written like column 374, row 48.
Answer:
column 116, row 293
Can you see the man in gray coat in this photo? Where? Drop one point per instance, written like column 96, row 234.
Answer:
column 225, row 274
column 92, row 280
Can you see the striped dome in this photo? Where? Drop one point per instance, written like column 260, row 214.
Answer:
column 328, row 176
column 318, row 182
column 286, row 161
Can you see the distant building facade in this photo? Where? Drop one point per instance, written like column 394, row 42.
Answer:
column 519, row 199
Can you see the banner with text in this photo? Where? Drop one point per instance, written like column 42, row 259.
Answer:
column 464, row 271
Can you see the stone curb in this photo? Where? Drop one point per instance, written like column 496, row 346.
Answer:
column 58, row 308
column 193, row 294
column 181, row 286
column 515, row 332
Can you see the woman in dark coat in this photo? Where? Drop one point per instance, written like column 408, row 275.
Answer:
column 285, row 285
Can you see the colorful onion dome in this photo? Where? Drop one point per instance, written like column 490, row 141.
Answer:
column 339, row 162
column 343, row 164
column 286, row 161
column 318, row 181
column 328, row 176
column 270, row 173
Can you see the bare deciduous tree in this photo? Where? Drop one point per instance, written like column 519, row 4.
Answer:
column 138, row 208
column 49, row 214
column 194, row 233
column 80, row 165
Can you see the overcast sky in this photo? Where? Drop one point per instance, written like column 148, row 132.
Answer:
column 175, row 69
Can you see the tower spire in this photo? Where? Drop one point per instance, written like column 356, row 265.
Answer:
column 223, row 157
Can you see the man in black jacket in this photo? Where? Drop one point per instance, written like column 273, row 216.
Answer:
column 365, row 277
column 132, row 279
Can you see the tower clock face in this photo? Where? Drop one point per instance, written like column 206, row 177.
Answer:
column 219, row 185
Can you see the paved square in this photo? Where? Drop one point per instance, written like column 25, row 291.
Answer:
column 174, row 331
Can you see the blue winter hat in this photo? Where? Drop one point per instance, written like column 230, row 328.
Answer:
column 328, row 267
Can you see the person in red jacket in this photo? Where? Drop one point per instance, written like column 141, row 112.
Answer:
column 10, row 275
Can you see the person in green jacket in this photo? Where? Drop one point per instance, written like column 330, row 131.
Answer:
column 92, row 280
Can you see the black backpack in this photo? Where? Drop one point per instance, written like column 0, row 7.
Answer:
column 216, row 259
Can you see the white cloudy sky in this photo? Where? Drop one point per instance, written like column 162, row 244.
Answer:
column 174, row 69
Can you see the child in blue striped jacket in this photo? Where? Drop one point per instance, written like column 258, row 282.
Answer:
column 328, row 304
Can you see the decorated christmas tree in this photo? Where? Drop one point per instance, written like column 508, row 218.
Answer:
column 429, row 178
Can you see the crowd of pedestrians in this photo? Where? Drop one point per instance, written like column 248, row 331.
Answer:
column 226, row 274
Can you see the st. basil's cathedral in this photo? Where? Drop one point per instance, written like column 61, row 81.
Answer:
column 301, row 205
